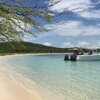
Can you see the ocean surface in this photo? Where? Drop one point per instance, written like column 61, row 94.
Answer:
column 57, row 79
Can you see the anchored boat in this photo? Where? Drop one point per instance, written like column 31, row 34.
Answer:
column 91, row 56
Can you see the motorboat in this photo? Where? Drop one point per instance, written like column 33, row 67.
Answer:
column 93, row 57
column 86, row 57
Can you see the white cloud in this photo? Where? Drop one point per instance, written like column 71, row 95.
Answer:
column 97, row 44
column 65, row 28
column 86, row 44
column 83, row 44
column 67, row 45
column 74, row 29
column 90, row 14
column 80, row 7
column 70, row 5
column 47, row 44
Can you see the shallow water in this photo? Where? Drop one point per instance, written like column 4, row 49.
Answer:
column 66, row 80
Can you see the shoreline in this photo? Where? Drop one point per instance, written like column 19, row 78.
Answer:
column 11, row 89
column 22, row 54
column 14, row 54
column 19, row 87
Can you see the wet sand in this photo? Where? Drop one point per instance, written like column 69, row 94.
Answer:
column 10, row 89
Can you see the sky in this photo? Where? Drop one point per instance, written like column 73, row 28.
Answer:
column 78, row 26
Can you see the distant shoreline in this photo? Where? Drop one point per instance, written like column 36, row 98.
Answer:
column 20, row 54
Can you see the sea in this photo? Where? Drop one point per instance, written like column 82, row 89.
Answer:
column 55, row 79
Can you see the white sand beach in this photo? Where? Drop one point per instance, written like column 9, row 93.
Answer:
column 10, row 89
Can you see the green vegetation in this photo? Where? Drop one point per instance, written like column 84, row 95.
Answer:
column 26, row 47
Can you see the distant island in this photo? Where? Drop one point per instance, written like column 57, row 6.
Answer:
column 27, row 47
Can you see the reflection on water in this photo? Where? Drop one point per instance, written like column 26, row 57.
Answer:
column 69, row 80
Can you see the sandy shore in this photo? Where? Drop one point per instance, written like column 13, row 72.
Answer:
column 10, row 89
column 14, row 86
column 9, row 55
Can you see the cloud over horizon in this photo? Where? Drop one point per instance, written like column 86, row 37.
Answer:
column 74, row 29
column 80, row 20
column 83, row 8
column 82, row 44
column 86, row 22
column 47, row 44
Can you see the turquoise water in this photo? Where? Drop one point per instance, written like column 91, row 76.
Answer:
column 67, row 80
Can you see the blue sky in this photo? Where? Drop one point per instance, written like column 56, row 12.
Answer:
column 78, row 26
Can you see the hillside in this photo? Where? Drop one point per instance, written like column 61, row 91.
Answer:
column 26, row 47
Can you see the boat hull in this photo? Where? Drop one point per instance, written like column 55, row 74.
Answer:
column 94, row 57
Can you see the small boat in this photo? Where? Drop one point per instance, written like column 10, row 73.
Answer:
column 93, row 57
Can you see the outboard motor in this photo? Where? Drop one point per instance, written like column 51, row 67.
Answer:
column 66, row 57
column 73, row 57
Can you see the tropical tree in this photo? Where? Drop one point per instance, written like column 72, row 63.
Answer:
column 17, row 17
